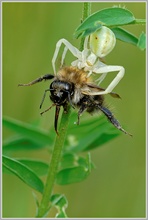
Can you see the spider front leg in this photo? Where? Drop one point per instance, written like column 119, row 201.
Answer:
column 101, row 78
column 115, row 81
column 68, row 46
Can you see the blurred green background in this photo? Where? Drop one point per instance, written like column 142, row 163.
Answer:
column 116, row 188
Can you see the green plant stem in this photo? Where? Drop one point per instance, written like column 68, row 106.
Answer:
column 56, row 155
column 59, row 142
column 140, row 21
column 85, row 13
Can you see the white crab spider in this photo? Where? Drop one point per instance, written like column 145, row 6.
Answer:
column 96, row 46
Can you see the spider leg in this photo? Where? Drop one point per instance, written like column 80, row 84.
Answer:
column 112, row 119
column 92, row 87
column 45, row 77
column 63, row 56
column 94, row 69
column 89, row 73
column 115, row 81
column 101, row 78
column 68, row 46
column 86, row 42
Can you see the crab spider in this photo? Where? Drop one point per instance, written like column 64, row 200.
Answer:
column 96, row 46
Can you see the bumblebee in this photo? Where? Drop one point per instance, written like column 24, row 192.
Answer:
column 73, row 86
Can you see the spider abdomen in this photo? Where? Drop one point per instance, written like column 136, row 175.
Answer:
column 102, row 42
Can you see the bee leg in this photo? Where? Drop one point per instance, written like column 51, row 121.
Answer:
column 70, row 101
column 65, row 107
column 47, row 90
column 81, row 110
column 45, row 77
column 56, row 118
column 112, row 119
column 47, row 109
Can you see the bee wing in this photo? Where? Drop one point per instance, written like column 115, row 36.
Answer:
column 115, row 95
column 90, row 88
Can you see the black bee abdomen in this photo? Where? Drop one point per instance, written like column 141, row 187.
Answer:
column 91, row 102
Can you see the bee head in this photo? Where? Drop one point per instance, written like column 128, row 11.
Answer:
column 61, row 91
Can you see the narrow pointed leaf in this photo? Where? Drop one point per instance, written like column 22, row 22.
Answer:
column 27, row 130
column 91, row 133
column 40, row 168
column 23, row 172
column 125, row 36
column 102, row 139
column 18, row 143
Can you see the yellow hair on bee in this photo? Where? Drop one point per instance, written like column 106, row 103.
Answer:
column 74, row 75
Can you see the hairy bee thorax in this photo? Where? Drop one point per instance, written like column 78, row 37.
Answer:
column 74, row 75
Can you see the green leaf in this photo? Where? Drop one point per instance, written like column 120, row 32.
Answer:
column 125, row 36
column 68, row 160
column 86, row 162
column 91, row 133
column 102, row 139
column 61, row 203
column 142, row 41
column 16, row 143
column 30, row 132
column 24, row 173
column 40, row 168
column 76, row 173
column 109, row 17
column 71, row 175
